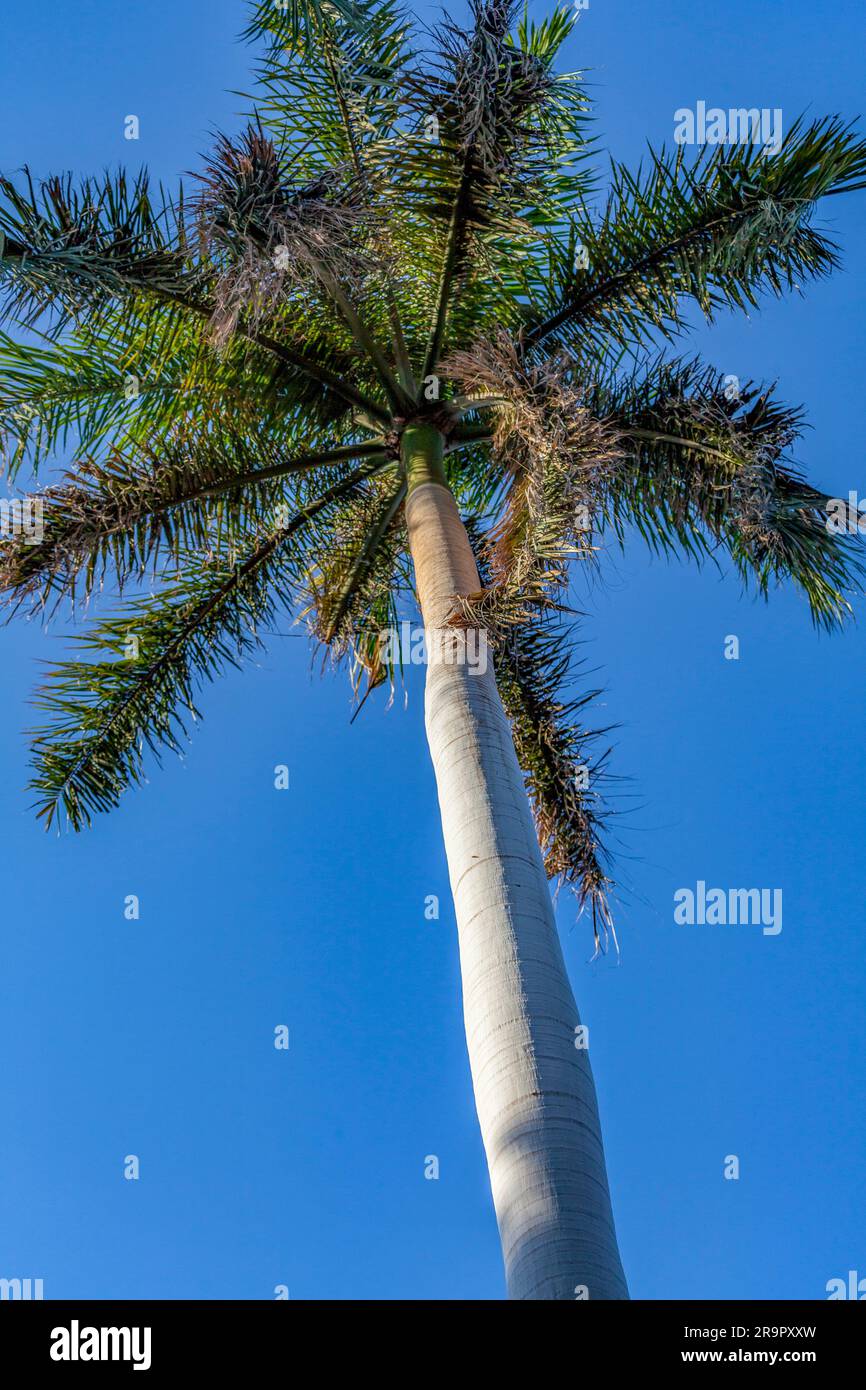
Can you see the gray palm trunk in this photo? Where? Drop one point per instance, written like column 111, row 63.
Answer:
column 533, row 1084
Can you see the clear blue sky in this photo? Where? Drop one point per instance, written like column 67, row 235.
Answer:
column 306, row 907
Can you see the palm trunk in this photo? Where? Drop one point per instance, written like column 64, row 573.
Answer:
column 533, row 1086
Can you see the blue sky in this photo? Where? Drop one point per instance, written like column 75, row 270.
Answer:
column 306, row 907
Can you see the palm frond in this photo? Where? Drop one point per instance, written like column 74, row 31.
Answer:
column 553, row 455
column 69, row 252
column 272, row 234
column 131, row 381
column 104, row 714
column 285, row 23
column 708, row 466
column 330, row 100
column 534, row 661
column 67, row 248
column 719, row 232
column 352, row 588
column 503, row 122
column 120, row 516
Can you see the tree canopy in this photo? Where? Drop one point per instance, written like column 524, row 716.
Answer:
column 413, row 227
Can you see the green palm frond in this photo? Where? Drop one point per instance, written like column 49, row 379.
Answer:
column 707, row 465
column 103, row 714
column 502, row 124
column 333, row 105
column 67, row 248
column 718, row 231
column 70, row 251
column 289, row 22
column 130, row 382
column 118, row 517
column 330, row 100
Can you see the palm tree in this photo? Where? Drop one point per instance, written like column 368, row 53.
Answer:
column 397, row 342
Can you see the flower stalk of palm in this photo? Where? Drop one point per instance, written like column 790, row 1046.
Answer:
column 399, row 345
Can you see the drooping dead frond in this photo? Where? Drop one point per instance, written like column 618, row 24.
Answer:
column 533, row 657
column 555, row 456
column 560, row 761
column 496, row 609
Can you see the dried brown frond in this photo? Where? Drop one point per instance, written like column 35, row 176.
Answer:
column 496, row 609
column 556, row 458
column 271, row 235
column 533, row 657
